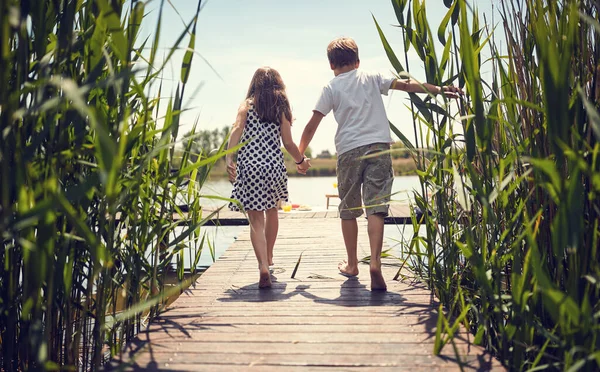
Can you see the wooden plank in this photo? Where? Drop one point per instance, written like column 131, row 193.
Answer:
column 319, row 319
column 275, row 362
column 399, row 214
column 333, row 348
column 295, row 337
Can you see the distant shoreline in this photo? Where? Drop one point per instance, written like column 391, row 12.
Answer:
column 325, row 168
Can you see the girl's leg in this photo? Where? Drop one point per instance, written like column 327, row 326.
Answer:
column 259, row 243
column 271, row 229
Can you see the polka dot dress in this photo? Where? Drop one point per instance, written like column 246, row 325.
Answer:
column 261, row 178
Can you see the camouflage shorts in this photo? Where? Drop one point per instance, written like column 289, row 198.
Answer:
column 374, row 175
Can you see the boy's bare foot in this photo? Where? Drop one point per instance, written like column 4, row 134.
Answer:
column 377, row 281
column 265, row 280
column 346, row 269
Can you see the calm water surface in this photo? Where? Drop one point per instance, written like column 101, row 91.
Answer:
column 311, row 190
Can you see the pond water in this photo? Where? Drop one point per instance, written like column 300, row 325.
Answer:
column 305, row 191
column 311, row 190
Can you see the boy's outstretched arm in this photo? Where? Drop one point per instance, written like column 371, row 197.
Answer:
column 415, row 87
column 309, row 130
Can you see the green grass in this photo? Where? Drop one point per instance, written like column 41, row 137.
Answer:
column 87, row 194
column 511, row 245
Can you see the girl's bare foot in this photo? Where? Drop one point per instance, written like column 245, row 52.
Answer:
column 377, row 281
column 347, row 270
column 265, row 280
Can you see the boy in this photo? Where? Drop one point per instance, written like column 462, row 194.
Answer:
column 363, row 129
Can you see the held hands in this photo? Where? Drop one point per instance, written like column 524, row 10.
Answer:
column 303, row 166
column 451, row 91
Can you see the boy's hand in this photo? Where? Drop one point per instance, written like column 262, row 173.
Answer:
column 303, row 167
column 231, row 171
column 451, row 91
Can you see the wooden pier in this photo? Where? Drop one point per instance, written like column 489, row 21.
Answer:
column 318, row 320
column 399, row 214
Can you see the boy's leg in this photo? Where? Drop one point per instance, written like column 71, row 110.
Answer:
column 350, row 233
column 271, row 229
column 377, row 188
column 375, row 229
column 259, row 243
column 349, row 174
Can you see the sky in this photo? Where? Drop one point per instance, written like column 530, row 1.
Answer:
column 235, row 37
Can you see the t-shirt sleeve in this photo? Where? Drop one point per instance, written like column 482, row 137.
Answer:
column 325, row 102
column 384, row 83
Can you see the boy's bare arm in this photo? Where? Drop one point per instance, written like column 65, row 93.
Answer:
column 309, row 130
column 412, row 86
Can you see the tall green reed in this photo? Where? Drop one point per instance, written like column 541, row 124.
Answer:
column 511, row 242
column 88, row 199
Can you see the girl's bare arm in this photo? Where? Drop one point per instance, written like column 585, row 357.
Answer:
column 290, row 145
column 288, row 141
column 234, row 138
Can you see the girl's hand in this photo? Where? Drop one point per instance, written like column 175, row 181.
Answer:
column 303, row 167
column 451, row 91
column 231, row 171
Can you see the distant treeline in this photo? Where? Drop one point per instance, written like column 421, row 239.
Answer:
column 206, row 141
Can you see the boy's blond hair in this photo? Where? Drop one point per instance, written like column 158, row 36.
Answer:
column 342, row 51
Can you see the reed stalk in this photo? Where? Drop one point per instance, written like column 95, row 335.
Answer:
column 511, row 237
column 88, row 195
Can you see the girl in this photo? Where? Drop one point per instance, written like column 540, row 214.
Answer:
column 260, row 178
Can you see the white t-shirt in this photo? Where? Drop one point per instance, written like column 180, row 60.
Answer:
column 355, row 98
